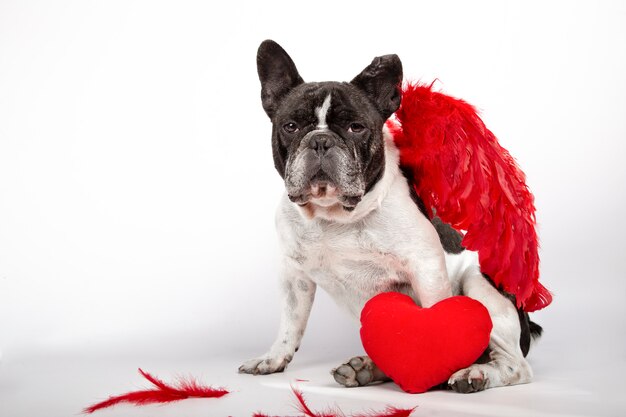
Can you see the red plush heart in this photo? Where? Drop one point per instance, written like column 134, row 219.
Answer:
column 419, row 348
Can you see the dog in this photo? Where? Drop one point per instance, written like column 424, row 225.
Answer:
column 350, row 223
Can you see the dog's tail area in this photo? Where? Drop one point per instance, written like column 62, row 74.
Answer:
column 535, row 330
column 531, row 332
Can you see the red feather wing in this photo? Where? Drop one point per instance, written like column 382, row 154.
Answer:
column 473, row 183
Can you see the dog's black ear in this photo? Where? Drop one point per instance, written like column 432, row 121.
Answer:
column 382, row 81
column 278, row 74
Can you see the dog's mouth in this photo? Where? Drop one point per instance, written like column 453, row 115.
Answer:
column 324, row 193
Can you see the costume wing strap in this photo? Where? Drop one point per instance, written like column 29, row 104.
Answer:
column 462, row 173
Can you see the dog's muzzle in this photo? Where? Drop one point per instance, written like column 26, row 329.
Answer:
column 323, row 173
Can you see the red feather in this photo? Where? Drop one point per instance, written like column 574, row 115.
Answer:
column 473, row 183
column 163, row 393
column 304, row 409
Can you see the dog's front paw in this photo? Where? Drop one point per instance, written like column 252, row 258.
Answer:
column 267, row 364
column 357, row 372
column 472, row 379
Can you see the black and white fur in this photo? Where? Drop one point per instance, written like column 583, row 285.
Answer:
column 350, row 223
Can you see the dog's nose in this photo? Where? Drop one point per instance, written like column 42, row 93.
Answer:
column 322, row 143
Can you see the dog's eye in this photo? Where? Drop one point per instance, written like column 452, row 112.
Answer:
column 356, row 128
column 290, row 127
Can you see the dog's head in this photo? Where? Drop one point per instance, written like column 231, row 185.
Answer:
column 327, row 137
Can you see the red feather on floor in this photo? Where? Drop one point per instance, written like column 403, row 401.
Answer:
column 162, row 393
column 305, row 411
column 460, row 170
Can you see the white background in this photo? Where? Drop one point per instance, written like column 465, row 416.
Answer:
column 137, row 189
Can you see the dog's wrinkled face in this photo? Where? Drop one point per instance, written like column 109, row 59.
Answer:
column 327, row 137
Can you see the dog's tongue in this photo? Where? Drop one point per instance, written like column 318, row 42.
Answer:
column 319, row 190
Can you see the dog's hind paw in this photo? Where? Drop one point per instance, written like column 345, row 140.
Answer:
column 468, row 380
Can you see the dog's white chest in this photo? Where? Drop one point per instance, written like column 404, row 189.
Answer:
column 348, row 263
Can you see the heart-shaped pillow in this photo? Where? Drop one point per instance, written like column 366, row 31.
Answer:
column 419, row 348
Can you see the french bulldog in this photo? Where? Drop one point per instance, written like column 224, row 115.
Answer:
column 350, row 223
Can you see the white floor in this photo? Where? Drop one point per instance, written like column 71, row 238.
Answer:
column 574, row 380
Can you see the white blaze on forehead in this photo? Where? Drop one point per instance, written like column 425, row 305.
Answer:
column 322, row 112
